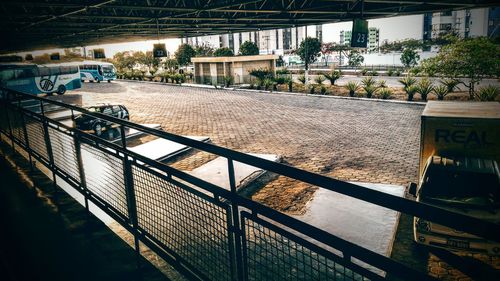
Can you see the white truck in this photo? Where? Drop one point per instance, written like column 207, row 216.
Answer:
column 459, row 171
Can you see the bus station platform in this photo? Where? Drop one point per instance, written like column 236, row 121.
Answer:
column 47, row 235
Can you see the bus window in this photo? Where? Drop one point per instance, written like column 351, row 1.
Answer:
column 6, row 75
column 25, row 73
column 55, row 70
column 43, row 71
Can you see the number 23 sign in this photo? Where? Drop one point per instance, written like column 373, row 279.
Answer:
column 359, row 34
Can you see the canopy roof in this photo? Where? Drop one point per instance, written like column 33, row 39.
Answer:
column 35, row 24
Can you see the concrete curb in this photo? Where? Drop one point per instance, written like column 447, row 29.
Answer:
column 417, row 103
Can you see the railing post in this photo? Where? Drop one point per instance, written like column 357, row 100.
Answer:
column 48, row 144
column 81, row 171
column 131, row 203
column 236, row 225
column 28, row 148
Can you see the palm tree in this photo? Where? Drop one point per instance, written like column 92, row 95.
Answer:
column 441, row 91
column 333, row 76
column 319, row 79
column 352, row 87
column 410, row 91
column 425, row 87
column 407, row 81
column 368, row 81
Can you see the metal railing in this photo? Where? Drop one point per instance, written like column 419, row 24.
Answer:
column 205, row 231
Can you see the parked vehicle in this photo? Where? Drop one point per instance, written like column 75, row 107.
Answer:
column 39, row 79
column 459, row 171
column 97, row 71
column 98, row 126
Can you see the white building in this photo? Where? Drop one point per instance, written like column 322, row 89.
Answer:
column 465, row 23
column 275, row 41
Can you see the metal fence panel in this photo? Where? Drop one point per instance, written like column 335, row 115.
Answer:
column 16, row 123
column 272, row 253
column 193, row 227
column 104, row 177
column 64, row 153
column 36, row 137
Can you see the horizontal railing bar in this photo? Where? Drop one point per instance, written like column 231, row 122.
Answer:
column 485, row 229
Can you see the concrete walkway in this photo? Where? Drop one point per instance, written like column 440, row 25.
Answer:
column 47, row 237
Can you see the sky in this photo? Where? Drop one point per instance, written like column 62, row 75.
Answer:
column 391, row 29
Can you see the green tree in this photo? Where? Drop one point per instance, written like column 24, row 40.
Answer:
column 123, row 60
column 223, row 52
column 184, row 54
column 249, row 48
column 355, row 58
column 471, row 58
column 309, row 50
column 409, row 57
column 204, row 50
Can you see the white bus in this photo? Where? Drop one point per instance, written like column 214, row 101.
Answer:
column 39, row 79
column 97, row 71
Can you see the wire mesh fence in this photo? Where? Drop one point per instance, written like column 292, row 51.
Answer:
column 211, row 233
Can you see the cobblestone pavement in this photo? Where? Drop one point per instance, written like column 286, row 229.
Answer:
column 347, row 139
column 352, row 140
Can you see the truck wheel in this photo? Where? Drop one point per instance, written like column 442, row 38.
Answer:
column 61, row 90
column 98, row 129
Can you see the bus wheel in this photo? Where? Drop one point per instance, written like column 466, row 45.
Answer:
column 98, row 129
column 109, row 81
column 61, row 90
column 97, row 80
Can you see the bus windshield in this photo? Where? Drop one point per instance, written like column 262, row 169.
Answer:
column 108, row 69
column 466, row 188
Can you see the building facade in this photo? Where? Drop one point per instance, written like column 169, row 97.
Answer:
column 274, row 41
column 468, row 23
column 373, row 39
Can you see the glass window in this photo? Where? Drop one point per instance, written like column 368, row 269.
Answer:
column 55, row 70
column 116, row 108
column 6, row 75
column 107, row 110
column 43, row 71
column 25, row 73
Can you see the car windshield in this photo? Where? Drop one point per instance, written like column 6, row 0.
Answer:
column 95, row 109
column 466, row 188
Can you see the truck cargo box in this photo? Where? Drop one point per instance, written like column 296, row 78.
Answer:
column 460, row 129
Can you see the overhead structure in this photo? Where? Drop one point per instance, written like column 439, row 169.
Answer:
column 36, row 24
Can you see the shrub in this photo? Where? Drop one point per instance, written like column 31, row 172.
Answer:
column 441, row 91
column 290, row 84
column 352, row 87
column 425, row 87
column 385, row 93
column 261, row 74
column 311, row 90
column 407, row 81
column 488, row 93
column 319, row 79
column 390, row 72
column 333, row 76
column 283, row 71
column 368, row 81
column 397, row 73
column 373, row 73
column 302, row 79
column 382, row 84
column 322, row 90
column 268, row 83
column 364, row 71
column 410, row 91
column 451, row 84
column 369, row 90
column 248, row 48
column 415, row 71
column 223, row 52
column 228, row 80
